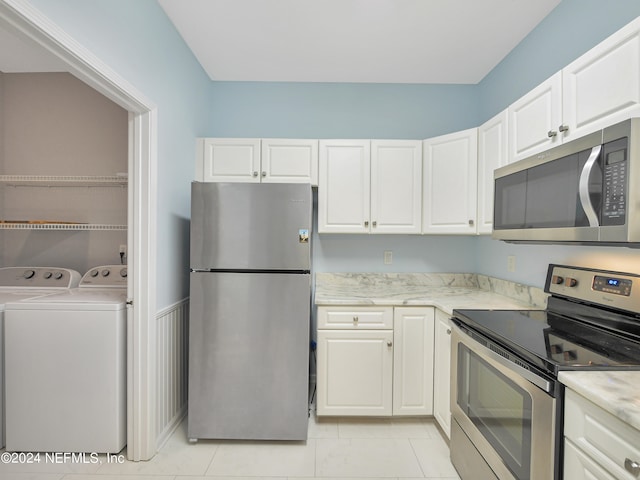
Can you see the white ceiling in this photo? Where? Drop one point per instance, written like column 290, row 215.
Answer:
column 381, row 41
column 377, row 41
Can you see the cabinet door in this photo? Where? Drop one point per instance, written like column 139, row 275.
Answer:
column 413, row 361
column 442, row 372
column 343, row 186
column 289, row 161
column 492, row 154
column 228, row 160
column 534, row 120
column 396, row 186
column 450, row 183
column 602, row 87
column 579, row 466
column 354, row 372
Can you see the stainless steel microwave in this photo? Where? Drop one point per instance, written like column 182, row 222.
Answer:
column 586, row 191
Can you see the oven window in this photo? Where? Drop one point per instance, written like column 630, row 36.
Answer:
column 499, row 408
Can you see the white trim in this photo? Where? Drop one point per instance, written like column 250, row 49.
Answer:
column 25, row 20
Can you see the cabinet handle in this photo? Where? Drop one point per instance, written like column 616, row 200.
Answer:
column 448, row 331
column 366, row 223
column 255, row 174
column 264, row 174
column 563, row 128
column 632, row 467
column 389, row 344
column 355, row 319
column 375, row 224
column 551, row 133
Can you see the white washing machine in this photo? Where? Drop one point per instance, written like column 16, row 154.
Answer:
column 66, row 367
column 20, row 283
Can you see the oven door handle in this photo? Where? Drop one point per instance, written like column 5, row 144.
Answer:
column 530, row 376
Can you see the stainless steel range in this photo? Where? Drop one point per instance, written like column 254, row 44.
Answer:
column 506, row 401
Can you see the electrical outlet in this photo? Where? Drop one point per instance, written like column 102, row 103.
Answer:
column 511, row 263
column 388, row 257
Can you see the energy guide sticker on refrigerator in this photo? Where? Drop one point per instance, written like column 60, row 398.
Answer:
column 250, row 311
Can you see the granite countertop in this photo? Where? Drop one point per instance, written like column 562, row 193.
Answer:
column 446, row 291
column 617, row 392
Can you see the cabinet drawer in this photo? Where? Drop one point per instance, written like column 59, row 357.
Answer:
column 369, row 318
column 578, row 466
column 602, row 436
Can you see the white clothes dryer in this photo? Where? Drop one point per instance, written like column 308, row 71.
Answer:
column 66, row 367
column 20, row 283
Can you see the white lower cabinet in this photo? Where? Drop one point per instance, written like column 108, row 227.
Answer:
column 413, row 361
column 598, row 445
column 442, row 372
column 367, row 366
column 354, row 372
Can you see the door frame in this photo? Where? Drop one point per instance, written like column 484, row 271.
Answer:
column 20, row 17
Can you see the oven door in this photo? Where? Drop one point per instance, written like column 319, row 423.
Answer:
column 508, row 413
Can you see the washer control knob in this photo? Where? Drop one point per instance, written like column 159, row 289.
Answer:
column 105, row 273
column 557, row 280
column 28, row 274
column 123, row 273
column 571, row 282
column 58, row 275
column 94, row 273
column 47, row 275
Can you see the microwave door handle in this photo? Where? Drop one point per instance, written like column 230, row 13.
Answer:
column 583, row 187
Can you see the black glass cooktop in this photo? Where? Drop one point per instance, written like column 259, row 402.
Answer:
column 555, row 342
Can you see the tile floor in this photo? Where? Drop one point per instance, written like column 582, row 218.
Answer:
column 336, row 449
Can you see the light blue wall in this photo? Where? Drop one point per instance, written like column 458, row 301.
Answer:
column 341, row 110
column 571, row 29
column 136, row 39
column 574, row 27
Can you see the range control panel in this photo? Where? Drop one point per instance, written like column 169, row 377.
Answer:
column 105, row 276
column 613, row 289
column 39, row 277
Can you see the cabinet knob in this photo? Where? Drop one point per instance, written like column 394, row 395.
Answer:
column 471, row 222
column 255, row 174
column 632, row 467
column 264, row 174
column 375, row 224
column 551, row 133
column 563, row 128
column 389, row 344
column 448, row 331
column 366, row 223
column 355, row 319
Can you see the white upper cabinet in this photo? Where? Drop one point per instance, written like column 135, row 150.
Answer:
column 602, row 87
column 396, row 186
column 534, row 120
column 492, row 153
column 254, row 160
column 228, row 160
column 289, row 161
column 450, row 183
column 343, row 186
column 369, row 186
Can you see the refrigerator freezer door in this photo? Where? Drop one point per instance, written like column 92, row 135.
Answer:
column 248, row 356
column 236, row 226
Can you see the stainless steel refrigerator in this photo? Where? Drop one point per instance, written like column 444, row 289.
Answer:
column 249, row 311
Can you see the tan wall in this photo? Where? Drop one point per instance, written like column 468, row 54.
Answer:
column 54, row 124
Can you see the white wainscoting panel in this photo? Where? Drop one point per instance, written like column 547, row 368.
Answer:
column 172, row 368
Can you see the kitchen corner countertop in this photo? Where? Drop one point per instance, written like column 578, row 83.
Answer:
column 617, row 392
column 446, row 291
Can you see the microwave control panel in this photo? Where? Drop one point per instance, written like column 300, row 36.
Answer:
column 614, row 182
